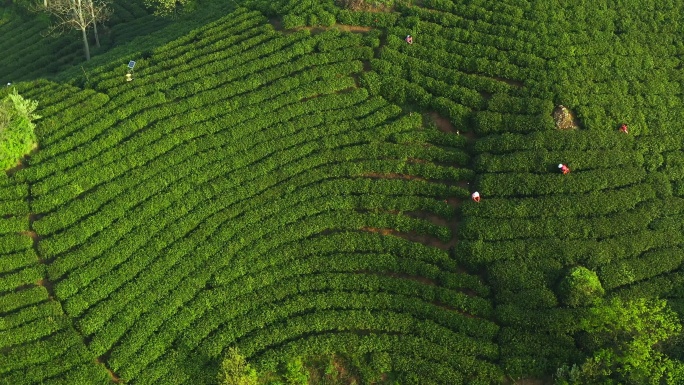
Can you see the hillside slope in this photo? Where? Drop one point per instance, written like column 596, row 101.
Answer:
column 302, row 192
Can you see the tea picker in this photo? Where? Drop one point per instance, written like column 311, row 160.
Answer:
column 476, row 196
column 409, row 39
column 129, row 74
column 564, row 169
column 623, row 128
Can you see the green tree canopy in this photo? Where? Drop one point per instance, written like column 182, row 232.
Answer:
column 626, row 336
column 168, row 7
column 581, row 287
column 17, row 136
column 235, row 370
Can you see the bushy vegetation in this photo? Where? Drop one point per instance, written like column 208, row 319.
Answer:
column 17, row 137
column 281, row 195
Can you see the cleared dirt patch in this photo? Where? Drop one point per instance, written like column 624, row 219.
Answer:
column 20, row 165
column 49, row 286
column 367, row 66
column 22, row 162
column 276, row 23
column 564, row 118
column 352, row 28
column 368, row 6
column 510, row 82
column 31, row 234
column 451, row 308
column 442, row 123
column 428, row 216
column 115, row 379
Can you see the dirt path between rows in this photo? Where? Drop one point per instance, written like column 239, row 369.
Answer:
column 45, row 282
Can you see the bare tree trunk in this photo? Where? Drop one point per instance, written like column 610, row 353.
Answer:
column 92, row 14
column 97, row 38
column 78, row 14
column 85, row 44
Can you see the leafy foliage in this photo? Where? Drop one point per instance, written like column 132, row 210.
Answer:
column 581, row 287
column 235, row 370
column 284, row 192
column 626, row 335
column 169, row 7
column 17, row 137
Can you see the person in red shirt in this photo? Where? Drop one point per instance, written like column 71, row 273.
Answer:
column 623, row 128
column 476, row 196
column 409, row 39
column 564, row 169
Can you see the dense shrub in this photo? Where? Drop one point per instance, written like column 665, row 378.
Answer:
column 581, row 287
column 17, row 137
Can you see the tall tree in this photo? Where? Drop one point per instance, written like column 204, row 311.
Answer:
column 77, row 14
column 168, row 7
column 16, row 128
column 235, row 370
column 626, row 338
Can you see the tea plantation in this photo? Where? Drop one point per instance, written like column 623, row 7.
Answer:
column 292, row 179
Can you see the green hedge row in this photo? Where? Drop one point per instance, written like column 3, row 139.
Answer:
column 31, row 314
column 489, row 122
column 646, row 266
column 285, row 243
column 11, row 243
column 18, row 259
column 455, row 27
column 578, row 140
column 59, row 357
column 542, row 161
column 296, row 153
column 26, row 276
column 492, row 15
column 12, row 224
column 565, row 228
column 267, row 321
column 48, row 244
column 189, row 165
column 368, row 19
column 208, row 33
column 591, row 253
column 553, row 182
column 548, row 206
column 197, row 101
column 165, row 142
column 404, row 352
column 143, row 91
column 167, row 151
column 369, row 273
column 83, row 276
column 664, row 285
column 31, row 331
column 401, row 91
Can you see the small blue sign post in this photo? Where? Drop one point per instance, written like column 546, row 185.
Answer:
column 129, row 75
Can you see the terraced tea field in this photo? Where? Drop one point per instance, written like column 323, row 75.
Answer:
column 294, row 180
